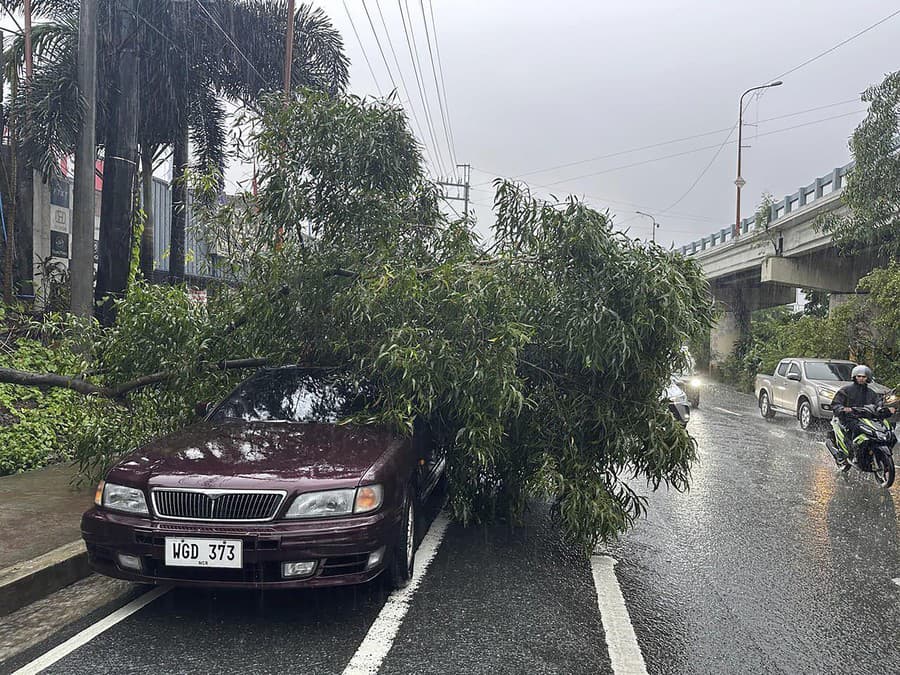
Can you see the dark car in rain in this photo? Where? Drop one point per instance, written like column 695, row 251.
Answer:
column 270, row 490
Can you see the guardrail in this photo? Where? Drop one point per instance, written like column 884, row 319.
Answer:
column 821, row 186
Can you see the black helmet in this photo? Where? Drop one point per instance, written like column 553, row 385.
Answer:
column 861, row 370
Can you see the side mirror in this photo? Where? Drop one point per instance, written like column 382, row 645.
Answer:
column 202, row 409
column 794, row 377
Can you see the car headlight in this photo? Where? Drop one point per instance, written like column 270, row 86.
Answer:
column 121, row 498
column 826, row 392
column 336, row 502
column 695, row 382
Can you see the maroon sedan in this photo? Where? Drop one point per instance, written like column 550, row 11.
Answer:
column 268, row 491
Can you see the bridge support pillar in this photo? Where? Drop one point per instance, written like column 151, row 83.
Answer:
column 724, row 338
column 732, row 326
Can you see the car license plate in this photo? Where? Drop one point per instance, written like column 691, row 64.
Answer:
column 181, row 552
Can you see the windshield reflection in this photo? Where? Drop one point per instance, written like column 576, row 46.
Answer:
column 292, row 395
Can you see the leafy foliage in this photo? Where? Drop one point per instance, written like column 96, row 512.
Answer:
column 34, row 423
column 873, row 188
column 538, row 360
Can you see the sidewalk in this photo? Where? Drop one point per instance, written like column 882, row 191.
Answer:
column 41, row 551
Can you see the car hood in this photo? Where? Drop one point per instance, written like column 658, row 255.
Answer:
column 242, row 455
column 835, row 385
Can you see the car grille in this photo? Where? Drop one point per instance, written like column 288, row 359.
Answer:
column 216, row 505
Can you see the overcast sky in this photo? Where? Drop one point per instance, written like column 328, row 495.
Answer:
column 531, row 85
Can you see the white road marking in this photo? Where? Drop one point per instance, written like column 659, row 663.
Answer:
column 727, row 411
column 378, row 641
column 624, row 651
column 49, row 658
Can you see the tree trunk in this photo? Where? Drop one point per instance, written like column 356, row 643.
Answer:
column 8, row 189
column 120, row 165
column 82, row 265
column 148, row 238
column 179, row 207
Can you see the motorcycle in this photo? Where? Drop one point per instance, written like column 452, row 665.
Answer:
column 871, row 451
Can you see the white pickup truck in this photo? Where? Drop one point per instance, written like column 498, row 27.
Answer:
column 804, row 388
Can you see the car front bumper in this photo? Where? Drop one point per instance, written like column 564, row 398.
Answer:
column 340, row 546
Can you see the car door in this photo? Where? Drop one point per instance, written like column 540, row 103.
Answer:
column 429, row 457
column 791, row 387
column 778, row 381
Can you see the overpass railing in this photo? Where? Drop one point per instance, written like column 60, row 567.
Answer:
column 821, row 186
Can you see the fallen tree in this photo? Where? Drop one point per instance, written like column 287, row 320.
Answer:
column 539, row 357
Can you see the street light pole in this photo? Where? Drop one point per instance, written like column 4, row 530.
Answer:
column 655, row 225
column 739, row 181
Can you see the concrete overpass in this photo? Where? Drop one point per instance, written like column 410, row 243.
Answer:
column 769, row 261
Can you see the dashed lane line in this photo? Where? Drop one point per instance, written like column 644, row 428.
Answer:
column 49, row 658
column 378, row 641
column 624, row 651
column 730, row 412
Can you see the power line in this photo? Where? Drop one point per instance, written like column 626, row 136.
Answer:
column 437, row 88
column 437, row 50
column 598, row 198
column 390, row 74
column 700, row 149
column 233, row 43
column 837, row 46
column 412, row 108
column 673, row 141
column 378, row 42
column 365, row 56
column 549, row 186
column 410, row 43
column 777, row 77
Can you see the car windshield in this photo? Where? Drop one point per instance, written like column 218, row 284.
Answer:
column 838, row 372
column 292, row 395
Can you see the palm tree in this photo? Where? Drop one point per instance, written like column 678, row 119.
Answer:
column 192, row 56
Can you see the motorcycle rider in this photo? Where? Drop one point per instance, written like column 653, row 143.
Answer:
column 853, row 395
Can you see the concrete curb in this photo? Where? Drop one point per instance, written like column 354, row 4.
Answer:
column 25, row 582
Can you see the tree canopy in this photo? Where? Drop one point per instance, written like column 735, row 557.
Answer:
column 873, row 187
column 538, row 358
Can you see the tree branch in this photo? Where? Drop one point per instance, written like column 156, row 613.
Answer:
column 117, row 392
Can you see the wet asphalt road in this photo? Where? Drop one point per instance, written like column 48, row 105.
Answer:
column 773, row 562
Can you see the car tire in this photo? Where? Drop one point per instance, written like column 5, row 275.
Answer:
column 805, row 416
column 765, row 406
column 403, row 555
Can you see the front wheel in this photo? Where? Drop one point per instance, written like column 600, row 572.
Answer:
column 403, row 556
column 804, row 415
column 765, row 406
column 884, row 468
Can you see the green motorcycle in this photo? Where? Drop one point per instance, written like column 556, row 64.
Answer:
column 871, row 451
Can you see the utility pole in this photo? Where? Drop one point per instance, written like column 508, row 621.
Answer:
column 288, row 49
column 82, row 265
column 461, row 189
